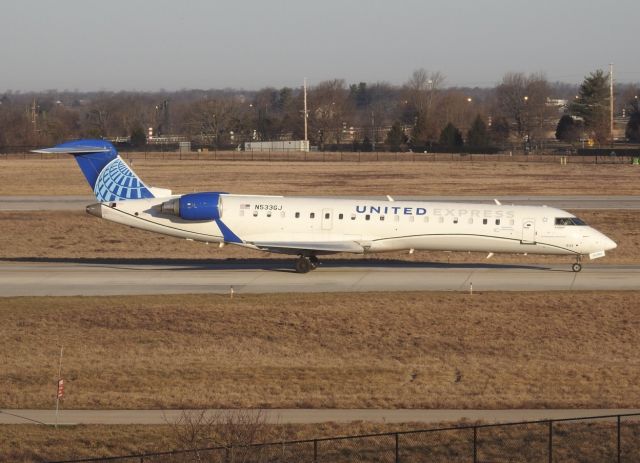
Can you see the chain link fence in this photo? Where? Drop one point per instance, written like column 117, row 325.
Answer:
column 614, row 438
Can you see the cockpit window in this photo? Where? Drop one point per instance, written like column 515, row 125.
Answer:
column 569, row 221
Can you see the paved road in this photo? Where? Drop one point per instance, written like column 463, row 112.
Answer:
column 305, row 416
column 128, row 277
column 78, row 203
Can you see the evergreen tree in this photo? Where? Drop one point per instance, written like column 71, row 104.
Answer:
column 632, row 131
column 633, row 127
column 360, row 95
column 500, row 130
column 367, row 146
column 567, row 129
column 396, row 137
column 420, row 133
column 477, row 136
column 138, row 137
column 451, row 137
column 592, row 104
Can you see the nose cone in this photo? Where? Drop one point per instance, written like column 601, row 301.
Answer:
column 603, row 242
column 609, row 244
column 95, row 210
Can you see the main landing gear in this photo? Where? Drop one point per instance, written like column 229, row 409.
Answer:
column 577, row 266
column 305, row 264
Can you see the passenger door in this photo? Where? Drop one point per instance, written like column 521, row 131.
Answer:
column 528, row 231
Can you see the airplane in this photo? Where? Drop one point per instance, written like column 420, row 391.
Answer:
column 310, row 227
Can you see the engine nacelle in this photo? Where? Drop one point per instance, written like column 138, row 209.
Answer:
column 194, row 206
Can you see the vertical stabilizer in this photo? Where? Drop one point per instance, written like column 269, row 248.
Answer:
column 108, row 175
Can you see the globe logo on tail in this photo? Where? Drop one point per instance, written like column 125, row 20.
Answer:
column 117, row 182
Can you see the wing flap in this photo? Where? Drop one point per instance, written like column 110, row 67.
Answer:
column 320, row 246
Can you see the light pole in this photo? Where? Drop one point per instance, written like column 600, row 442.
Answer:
column 527, row 145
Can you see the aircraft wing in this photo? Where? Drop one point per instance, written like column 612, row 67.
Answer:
column 292, row 247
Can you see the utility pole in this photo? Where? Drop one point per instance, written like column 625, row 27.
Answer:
column 306, row 137
column 611, row 101
column 34, row 116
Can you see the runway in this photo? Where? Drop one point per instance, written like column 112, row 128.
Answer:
column 79, row 203
column 130, row 277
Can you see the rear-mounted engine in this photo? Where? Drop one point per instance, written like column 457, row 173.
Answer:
column 194, row 206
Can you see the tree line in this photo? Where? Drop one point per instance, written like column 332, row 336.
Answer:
column 422, row 114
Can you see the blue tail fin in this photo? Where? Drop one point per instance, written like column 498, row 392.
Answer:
column 109, row 176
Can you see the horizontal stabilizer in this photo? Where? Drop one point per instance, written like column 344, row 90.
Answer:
column 72, row 150
column 320, row 246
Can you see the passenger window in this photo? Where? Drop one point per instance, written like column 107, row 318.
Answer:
column 441, row 219
column 255, row 213
column 367, row 217
column 340, row 216
column 396, row 218
column 426, row 219
column 353, row 217
column 382, row 218
column 269, row 214
column 312, row 215
column 297, row 215
column 484, row 221
column 455, row 220
column 327, row 215
column 411, row 218
column 282, row 214
column 470, row 220
column 497, row 221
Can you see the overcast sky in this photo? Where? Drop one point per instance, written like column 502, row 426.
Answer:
column 150, row 45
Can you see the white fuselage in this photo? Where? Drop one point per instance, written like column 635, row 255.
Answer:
column 375, row 225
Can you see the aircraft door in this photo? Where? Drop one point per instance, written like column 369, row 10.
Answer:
column 528, row 231
column 327, row 219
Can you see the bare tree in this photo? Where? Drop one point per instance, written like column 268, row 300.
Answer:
column 233, row 429
column 330, row 109
column 421, row 91
column 523, row 101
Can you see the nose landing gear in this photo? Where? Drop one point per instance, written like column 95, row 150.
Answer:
column 577, row 266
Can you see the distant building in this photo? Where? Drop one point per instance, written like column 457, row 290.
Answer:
column 292, row 145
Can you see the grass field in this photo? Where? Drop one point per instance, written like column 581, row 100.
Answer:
column 572, row 442
column 63, row 177
column 41, row 443
column 424, row 350
column 76, row 235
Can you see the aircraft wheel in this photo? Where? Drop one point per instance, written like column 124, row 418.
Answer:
column 314, row 262
column 576, row 267
column 303, row 265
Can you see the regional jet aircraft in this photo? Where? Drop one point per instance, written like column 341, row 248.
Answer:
column 310, row 227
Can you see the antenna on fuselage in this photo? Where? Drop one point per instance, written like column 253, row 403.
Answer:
column 390, row 198
column 498, row 203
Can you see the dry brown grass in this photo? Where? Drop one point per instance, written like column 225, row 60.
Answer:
column 573, row 442
column 425, row 350
column 40, row 443
column 74, row 235
column 62, row 177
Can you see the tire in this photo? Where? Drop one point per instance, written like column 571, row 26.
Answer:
column 303, row 265
column 576, row 267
